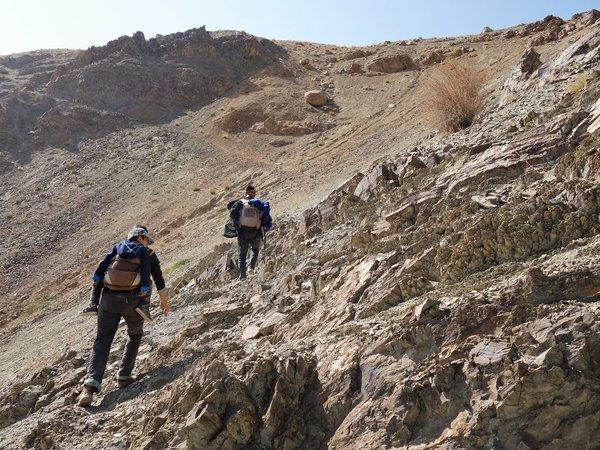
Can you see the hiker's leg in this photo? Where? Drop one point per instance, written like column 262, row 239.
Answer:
column 255, row 249
column 108, row 323
column 243, row 245
column 95, row 293
column 135, row 330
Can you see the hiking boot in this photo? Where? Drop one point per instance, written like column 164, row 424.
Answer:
column 91, row 310
column 125, row 381
column 86, row 397
column 143, row 309
column 251, row 271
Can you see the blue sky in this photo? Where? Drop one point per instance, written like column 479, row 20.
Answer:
column 32, row 24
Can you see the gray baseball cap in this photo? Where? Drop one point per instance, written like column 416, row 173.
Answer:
column 138, row 231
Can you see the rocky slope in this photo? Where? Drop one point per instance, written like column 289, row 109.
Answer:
column 444, row 296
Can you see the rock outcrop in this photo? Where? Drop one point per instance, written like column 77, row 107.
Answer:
column 94, row 92
column 391, row 64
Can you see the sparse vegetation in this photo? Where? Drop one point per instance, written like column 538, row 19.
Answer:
column 176, row 266
column 38, row 305
column 456, row 95
column 579, row 82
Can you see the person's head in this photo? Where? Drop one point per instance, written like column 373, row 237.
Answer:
column 139, row 234
column 250, row 191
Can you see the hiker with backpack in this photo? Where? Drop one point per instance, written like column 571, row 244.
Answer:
column 143, row 309
column 251, row 219
column 125, row 274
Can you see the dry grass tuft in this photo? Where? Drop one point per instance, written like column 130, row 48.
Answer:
column 456, row 94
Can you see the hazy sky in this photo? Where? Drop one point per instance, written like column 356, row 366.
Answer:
column 32, row 24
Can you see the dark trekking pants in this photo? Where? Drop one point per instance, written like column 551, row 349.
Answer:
column 113, row 306
column 247, row 240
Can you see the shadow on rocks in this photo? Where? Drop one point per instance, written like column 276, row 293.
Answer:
column 146, row 382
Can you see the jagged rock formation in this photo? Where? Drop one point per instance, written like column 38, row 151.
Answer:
column 445, row 296
column 90, row 93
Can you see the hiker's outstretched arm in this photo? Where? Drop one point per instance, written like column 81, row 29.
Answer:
column 156, row 272
column 101, row 269
column 145, row 273
column 159, row 281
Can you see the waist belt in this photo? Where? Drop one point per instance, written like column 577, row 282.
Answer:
column 116, row 292
column 249, row 230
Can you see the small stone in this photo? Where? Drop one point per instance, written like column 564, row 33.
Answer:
column 269, row 324
column 251, row 332
column 381, row 228
column 315, row 98
column 482, row 201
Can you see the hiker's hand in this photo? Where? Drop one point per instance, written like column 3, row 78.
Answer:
column 164, row 301
column 164, row 306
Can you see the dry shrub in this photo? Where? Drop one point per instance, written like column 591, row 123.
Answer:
column 456, row 94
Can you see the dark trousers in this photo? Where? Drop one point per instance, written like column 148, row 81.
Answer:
column 113, row 306
column 247, row 240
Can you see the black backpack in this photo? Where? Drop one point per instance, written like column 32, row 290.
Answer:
column 230, row 231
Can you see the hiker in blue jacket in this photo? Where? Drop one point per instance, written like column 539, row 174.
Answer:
column 125, row 273
column 251, row 218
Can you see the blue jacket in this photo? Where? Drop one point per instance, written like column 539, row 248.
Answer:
column 128, row 250
column 235, row 208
